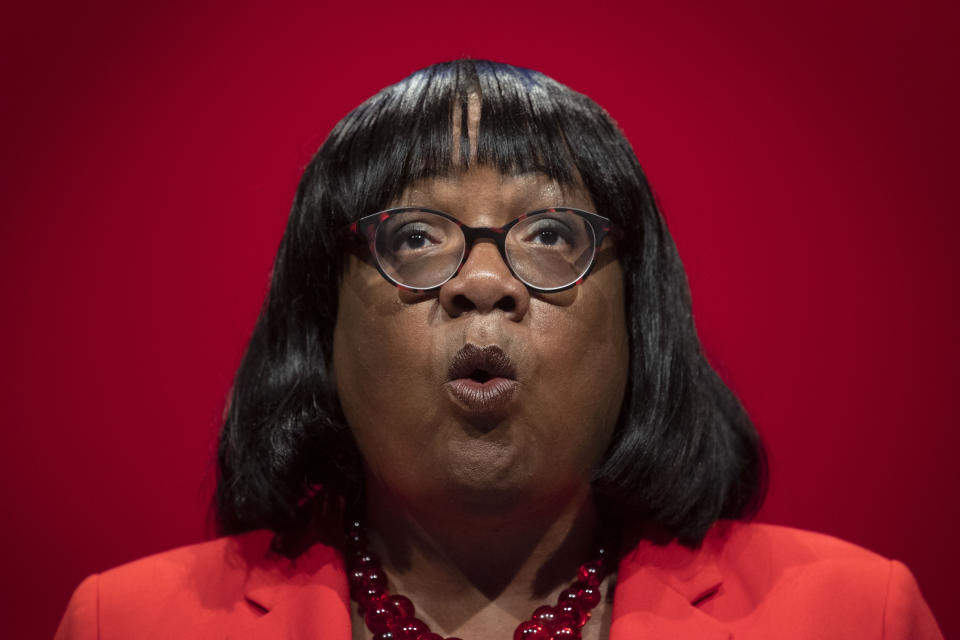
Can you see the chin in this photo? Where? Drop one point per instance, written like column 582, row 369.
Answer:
column 484, row 502
column 497, row 480
column 488, row 463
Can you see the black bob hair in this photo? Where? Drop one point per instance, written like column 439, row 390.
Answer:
column 684, row 453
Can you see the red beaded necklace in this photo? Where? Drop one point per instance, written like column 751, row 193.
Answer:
column 391, row 617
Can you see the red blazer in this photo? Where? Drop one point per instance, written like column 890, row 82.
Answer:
column 745, row 581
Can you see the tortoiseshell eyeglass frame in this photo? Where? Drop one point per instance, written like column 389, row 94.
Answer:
column 366, row 228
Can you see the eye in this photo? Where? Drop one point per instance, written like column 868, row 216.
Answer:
column 411, row 239
column 548, row 237
column 414, row 236
column 548, row 232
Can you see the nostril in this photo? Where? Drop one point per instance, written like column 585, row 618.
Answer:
column 463, row 304
column 482, row 290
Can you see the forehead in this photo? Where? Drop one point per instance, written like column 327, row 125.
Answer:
column 485, row 189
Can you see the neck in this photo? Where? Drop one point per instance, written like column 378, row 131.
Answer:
column 470, row 568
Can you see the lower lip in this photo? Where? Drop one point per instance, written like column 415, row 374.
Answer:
column 482, row 398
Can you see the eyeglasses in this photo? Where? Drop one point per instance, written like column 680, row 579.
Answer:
column 420, row 249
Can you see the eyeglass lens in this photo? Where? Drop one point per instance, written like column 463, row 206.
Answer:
column 548, row 250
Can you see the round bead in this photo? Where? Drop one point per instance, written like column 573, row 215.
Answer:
column 356, row 538
column 571, row 612
column 374, row 577
column 588, row 597
column 545, row 615
column 566, row 632
column 386, row 635
column 531, row 630
column 355, row 582
column 409, row 629
column 569, row 593
column 404, row 606
column 379, row 616
column 354, row 525
column 590, row 574
column 355, row 576
column 363, row 559
column 367, row 596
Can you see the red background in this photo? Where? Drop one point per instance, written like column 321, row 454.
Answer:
column 804, row 153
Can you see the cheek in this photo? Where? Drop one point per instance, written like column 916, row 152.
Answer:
column 610, row 347
column 584, row 371
column 383, row 359
column 375, row 341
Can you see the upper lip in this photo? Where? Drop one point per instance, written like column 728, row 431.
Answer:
column 490, row 360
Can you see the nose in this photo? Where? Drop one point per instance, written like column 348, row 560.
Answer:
column 484, row 284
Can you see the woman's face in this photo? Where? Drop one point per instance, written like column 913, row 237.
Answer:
column 423, row 442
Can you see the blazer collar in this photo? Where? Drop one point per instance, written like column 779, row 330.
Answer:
column 301, row 599
column 659, row 588
column 657, row 593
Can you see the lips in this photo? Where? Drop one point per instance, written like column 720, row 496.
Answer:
column 482, row 380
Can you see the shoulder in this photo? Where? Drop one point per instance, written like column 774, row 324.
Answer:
column 763, row 558
column 209, row 554
column 224, row 561
column 206, row 583
column 742, row 548
column 771, row 570
column 759, row 580
column 746, row 543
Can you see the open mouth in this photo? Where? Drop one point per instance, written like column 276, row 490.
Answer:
column 481, row 364
column 482, row 380
column 479, row 375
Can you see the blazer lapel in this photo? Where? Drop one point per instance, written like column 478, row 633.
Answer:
column 303, row 599
column 658, row 588
column 657, row 591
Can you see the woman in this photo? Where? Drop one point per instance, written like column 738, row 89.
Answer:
column 475, row 405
